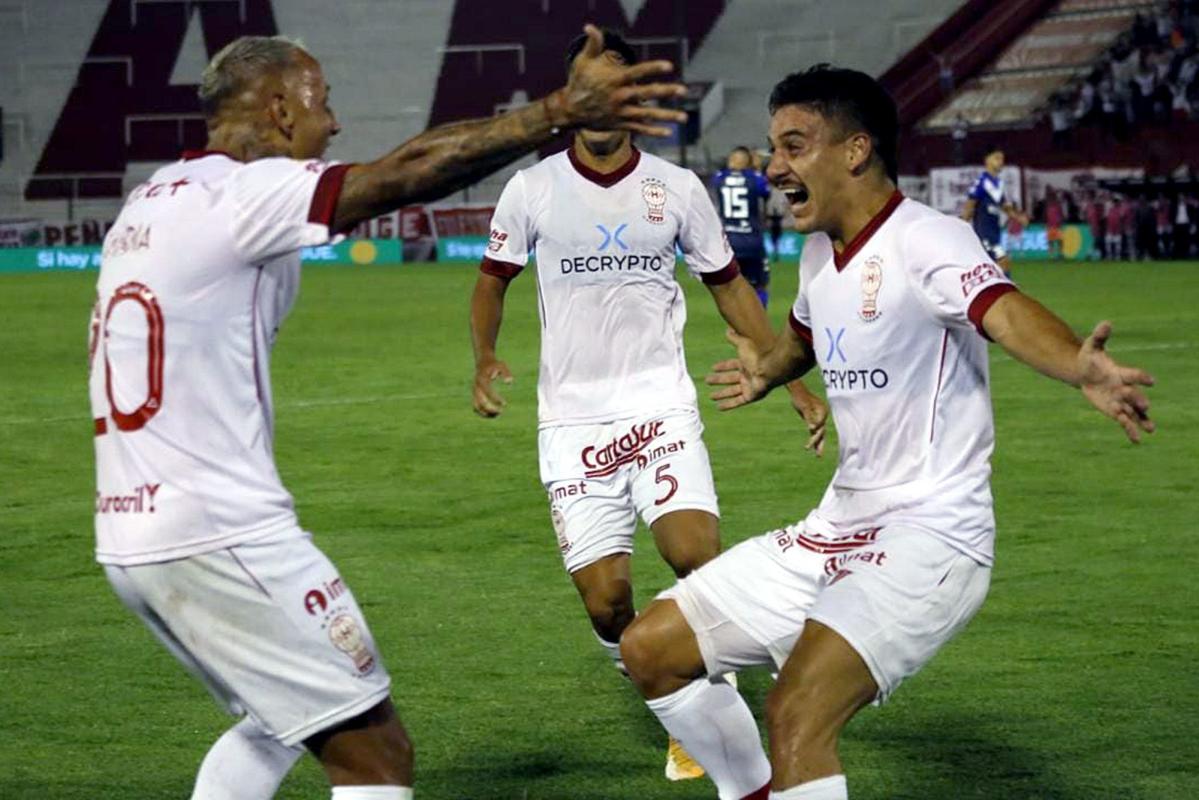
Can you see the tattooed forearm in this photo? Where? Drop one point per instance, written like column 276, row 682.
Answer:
column 445, row 159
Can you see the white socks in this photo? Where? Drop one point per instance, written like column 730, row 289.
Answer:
column 613, row 651
column 372, row 793
column 246, row 763
column 716, row 727
column 830, row 788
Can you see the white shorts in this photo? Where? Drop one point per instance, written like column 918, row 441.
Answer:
column 599, row 478
column 269, row 628
column 896, row 594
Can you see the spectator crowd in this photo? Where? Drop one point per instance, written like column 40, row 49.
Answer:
column 1126, row 227
column 1149, row 76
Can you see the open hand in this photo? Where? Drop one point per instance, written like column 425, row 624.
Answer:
column 602, row 94
column 487, row 402
column 741, row 377
column 1112, row 387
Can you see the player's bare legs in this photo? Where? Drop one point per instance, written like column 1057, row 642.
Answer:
column 660, row 651
column 687, row 539
column 821, row 686
column 606, row 588
column 370, row 750
column 708, row 716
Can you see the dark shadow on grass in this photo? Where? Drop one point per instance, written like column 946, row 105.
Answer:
column 953, row 755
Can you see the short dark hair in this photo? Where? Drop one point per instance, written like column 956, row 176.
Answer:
column 992, row 147
column 853, row 99
column 613, row 41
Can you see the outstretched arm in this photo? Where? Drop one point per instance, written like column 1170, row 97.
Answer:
column 600, row 94
column 738, row 303
column 486, row 312
column 1035, row 335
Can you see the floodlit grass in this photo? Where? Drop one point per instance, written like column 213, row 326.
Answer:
column 1078, row 679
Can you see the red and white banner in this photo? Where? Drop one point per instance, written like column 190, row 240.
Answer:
column 948, row 186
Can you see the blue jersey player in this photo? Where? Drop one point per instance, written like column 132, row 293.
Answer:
column 740, row 194
column 984, row 204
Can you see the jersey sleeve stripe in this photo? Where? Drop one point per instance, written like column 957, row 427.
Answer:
column 328, row 190
column 801, row 330
column 983, row 301
column 500, row 269
column 721, row 276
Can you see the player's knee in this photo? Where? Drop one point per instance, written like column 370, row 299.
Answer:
column 642, row 659
column 610, row 608
column 695, row 558
column 699, row 550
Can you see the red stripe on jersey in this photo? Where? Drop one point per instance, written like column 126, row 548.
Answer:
column 831, row 546
column 983, row 301
column 760, row 794
column 937, row 394
column 801, row 330
column 500, row 269
column 328, row 190
column 859, row 241
column 722, row 276
column 101, row 426
column 604, row 179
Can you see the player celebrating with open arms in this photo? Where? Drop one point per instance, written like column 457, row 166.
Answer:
column 619, row 431
column 193, row 526
column 896, row 304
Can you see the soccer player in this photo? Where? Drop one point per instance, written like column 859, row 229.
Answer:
column 619, row 432
column 896, row 305
column 984, row 204
column 194, row 528
column 740, row 194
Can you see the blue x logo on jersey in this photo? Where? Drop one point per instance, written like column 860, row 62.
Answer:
column 612, row 236
column 834, row 345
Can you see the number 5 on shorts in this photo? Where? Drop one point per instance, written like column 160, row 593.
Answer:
column 662, row 476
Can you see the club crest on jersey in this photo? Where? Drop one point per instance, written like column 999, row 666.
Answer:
column 559, row 522
column 653, row 191
column 346, row 635
column 872, row 282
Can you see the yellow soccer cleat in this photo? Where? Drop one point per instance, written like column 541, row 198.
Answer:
column 680, row 766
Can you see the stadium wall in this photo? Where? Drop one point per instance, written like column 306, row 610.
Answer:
column 102, row 91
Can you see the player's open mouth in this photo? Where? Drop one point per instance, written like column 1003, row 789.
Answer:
column 796, row 196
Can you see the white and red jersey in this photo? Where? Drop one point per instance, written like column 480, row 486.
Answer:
column 197, row 275
column 895, row 321
column 612, row 313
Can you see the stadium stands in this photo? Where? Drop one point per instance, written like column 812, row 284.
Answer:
column 104, row 89
column 1080, row 82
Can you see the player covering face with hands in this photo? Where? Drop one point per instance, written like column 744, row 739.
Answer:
column 895, row 306
column 619, row 435
column 194, row 528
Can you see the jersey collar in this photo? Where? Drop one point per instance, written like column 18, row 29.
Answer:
column 604, row 179
column 842, row 259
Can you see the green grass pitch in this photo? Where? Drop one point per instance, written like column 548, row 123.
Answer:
column 1078, row 680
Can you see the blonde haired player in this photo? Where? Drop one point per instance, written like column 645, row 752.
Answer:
column 193, row 526
column 619, row 432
